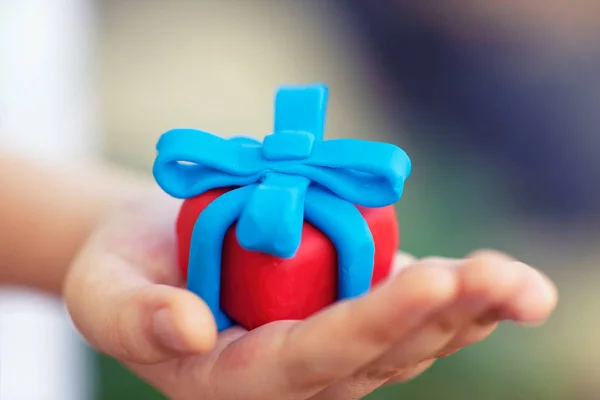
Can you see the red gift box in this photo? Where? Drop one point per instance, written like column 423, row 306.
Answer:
column 258, row 288
column 243, row 237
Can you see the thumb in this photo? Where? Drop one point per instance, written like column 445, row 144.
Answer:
column 122, row 294
column 146, row 324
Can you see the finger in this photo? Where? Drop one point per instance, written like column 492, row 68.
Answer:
column 336, row 342
column 354, row 389
column 489, row 282
column 228, row 337
column 136, row 320
column 292, row 359
column 411, row 373
column 401, row 261
column 119, row 295
column 535, row 300
column 240, row 359
column 467, row 337
column 538, row 295
column 530, row 301
column 488, row 279
column 191, row 376
column 381, row 371
column 482, row 284
column 119, row 291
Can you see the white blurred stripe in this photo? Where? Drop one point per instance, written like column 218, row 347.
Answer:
column 41, row 355
column 46, row 113
column 46, row 51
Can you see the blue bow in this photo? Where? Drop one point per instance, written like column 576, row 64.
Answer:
column 291, row 176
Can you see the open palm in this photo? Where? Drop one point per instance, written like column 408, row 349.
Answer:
column 126, row 296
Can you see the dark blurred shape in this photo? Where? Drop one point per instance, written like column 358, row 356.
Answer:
column 515, row 97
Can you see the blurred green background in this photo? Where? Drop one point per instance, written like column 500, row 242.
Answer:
column 215, row 65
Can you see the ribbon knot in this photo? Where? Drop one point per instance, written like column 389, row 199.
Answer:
column 288, row 146
column 292, row 175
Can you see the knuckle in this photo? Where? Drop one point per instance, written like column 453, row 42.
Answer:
column 410, row 373
column 301, row 373
column 119, row 338
column 380, row 373
column 122, row 338
column 445, row 325
column 379, row 335
column 447, row 352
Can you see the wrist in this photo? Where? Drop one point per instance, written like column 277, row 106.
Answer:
column 48, row 214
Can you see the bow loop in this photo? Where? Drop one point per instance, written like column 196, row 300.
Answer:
column 191, row 162
column 366, row 173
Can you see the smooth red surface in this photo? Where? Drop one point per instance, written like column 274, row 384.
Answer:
column 257, row 288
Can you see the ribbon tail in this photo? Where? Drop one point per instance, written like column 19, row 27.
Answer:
column 301, row 108
column 347, row 229
column 272, row 219
column 204, row 267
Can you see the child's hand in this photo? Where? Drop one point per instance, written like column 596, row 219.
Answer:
column 125, row 295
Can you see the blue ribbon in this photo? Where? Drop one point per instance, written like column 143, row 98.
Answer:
column 291, row 176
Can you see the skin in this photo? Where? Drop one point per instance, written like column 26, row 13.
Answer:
column 46, row 214
column 116, row 262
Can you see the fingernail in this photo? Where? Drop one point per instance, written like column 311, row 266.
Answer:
column 164, row 328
